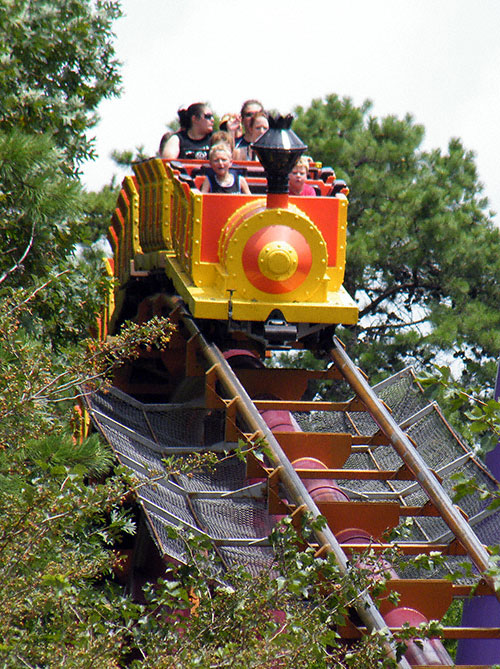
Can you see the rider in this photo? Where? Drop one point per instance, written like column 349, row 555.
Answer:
column 193, row 139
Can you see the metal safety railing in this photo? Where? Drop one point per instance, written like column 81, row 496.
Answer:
column 417, row 465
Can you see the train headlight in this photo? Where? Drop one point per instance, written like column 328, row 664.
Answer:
column 278, row 261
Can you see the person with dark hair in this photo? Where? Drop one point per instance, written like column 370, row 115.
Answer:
column 248, row 111
column 193, row 139
column 259, row 124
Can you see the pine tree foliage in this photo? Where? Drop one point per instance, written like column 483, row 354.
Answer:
column 56, row 533
column 39, row 207
column 42, row 235
column 423, row 256
column 97, row 208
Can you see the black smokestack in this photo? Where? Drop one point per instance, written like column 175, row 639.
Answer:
column 278, row 150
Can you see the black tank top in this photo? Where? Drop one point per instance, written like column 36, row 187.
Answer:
column 215, row 186
column 193, row 148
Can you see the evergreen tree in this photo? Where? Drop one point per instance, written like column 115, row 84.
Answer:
column 42, row 235
column 423, row 256
column 39, row 207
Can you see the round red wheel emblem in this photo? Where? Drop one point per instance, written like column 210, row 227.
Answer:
column 277, row 259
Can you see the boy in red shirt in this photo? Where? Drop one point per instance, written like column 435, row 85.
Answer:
column 297, row 179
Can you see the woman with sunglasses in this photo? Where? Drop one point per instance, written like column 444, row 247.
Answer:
column 193, row 139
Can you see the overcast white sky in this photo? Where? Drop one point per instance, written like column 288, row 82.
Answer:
column 436, row 59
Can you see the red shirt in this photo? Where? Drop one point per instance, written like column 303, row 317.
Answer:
column 307, row 190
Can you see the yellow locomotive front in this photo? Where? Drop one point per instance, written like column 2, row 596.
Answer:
column 270, row 267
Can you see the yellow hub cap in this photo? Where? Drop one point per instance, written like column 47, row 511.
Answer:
column 278, row 261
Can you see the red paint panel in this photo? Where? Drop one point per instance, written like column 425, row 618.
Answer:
column 216, row 210
column 324, row 213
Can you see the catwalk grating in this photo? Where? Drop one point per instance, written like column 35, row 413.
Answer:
column 218, row 503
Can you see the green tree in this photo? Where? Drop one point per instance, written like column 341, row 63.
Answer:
column 42, row 235
column 62, row 606
column 39, row 207
column 57, row 64
column 97, row 208
column 57, row 531
column 285, row 616
column 56, row 535
column 423, row 257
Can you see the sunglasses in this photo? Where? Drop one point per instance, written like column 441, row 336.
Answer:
column 249, row 114
column 209, row 117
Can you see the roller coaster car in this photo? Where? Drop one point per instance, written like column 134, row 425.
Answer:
column 270, row 267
